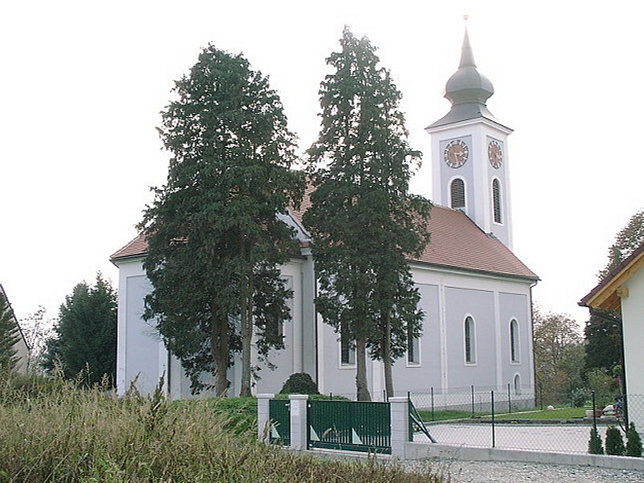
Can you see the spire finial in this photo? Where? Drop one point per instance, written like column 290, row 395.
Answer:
column 467, row 57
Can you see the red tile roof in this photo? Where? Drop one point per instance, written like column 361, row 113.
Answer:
column 456, row 242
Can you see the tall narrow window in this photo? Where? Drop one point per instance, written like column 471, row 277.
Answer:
column 496, row 199
column 517, row 384
column 514, row 340
column 347, row 349
column 470, row 344
column 457, row 193
column 413, row 349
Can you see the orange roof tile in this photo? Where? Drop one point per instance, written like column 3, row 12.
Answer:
column 456, row 242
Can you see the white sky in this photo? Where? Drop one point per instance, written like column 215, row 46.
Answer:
column 82, row 84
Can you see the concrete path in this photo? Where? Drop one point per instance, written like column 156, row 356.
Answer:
column 559, row 438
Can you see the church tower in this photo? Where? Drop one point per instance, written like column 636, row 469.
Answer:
column 469, row 152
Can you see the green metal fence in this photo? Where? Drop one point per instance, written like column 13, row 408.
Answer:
column 349, row 425
column 280, row 414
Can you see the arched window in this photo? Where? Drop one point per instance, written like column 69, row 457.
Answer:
column 514, row 341
column 347, row 347
column 413, row 349
column 457, row 193
column 496, row 200
column 517, row 384
column 470, row 341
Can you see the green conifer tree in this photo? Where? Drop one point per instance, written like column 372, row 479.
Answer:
column 614, row 442
column 9, row 336
column 362, row 219
column 214, row 237
column 85, row 334
column 634, row 442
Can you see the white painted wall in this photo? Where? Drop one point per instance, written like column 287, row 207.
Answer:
column 633, row 327
column 142, row 356
column 447, row 297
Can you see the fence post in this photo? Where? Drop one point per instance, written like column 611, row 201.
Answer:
column 399, row 410
column 541, row 393
column 509, row 400
column 263, row 417
column 493, row 435
column 472, row 400
column 432, row 397
column 594, row 412
column 299, row 408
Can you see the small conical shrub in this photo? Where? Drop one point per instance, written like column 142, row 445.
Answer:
column 614, row 442
column 634, row 443
column 595, row 443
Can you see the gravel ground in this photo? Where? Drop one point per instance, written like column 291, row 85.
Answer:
column 483, row 472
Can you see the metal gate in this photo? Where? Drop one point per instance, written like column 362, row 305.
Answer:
column 279, row 411
column 349, row 425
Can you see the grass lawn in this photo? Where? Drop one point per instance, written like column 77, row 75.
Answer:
column 559, row 413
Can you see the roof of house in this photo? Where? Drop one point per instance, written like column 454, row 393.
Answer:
column 606, row 294
column 456, row 243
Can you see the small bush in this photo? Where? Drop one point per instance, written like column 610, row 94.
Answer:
column 579, row 396
column 595, row 443
column 299, row 383
column 634, row 443
column 614, row 442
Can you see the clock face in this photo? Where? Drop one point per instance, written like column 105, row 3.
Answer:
column 495, row 154
column 456, row 153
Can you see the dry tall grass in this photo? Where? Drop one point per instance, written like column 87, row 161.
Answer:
column 67, row 433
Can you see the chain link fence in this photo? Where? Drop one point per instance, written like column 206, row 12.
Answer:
column 502, row 417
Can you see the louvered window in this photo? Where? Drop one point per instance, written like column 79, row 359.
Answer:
column 457, row 193
column 496, row 199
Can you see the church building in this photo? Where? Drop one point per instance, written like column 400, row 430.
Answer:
column 475, row 293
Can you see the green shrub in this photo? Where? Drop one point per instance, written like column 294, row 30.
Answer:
column 634, row 442
column 299, row 383
column 580, row 396
column 595, row 443
column 614, row 442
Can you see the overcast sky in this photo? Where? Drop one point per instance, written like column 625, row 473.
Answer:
column 82, row 84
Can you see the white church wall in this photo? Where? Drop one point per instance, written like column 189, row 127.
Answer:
column 516, row 307
column 142, row 357
column 447, row 298
column 427, row 372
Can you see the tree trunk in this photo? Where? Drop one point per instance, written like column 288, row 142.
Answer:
column 246, row 331
column 386, row 357
column 361, row 370
column 220, row 355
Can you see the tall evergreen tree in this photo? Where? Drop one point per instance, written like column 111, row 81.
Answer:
column 362, row 219
column 86, row 332
column 627, row 241
column 9, row 336
column 603, row 331
column 214, row 238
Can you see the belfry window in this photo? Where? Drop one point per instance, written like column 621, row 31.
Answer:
column 457, row 193
column 496, row 200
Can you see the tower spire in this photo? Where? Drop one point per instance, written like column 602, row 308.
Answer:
column 467, row 56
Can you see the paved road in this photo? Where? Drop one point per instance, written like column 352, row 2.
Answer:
column 492, row 472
